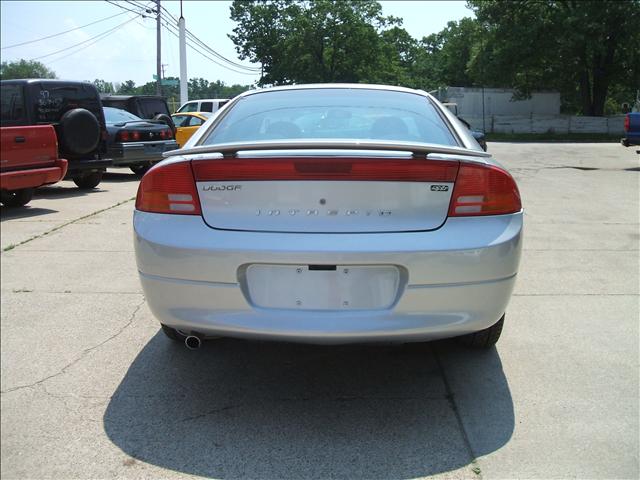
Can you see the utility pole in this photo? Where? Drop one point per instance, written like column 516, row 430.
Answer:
column 158, row 55
column 184, row 90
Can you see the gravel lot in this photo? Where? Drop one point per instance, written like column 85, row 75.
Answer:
column 91, row 388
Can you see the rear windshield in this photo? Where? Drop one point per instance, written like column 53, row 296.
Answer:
column 11, row 105
column 116, row 115
column 332, row 114
column 53, row 100
column 150, row 107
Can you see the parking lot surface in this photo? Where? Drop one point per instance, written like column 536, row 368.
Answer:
column 91, row 388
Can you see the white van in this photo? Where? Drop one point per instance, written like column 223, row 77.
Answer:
column 204, row 105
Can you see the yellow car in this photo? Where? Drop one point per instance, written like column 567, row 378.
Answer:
column 187, row 124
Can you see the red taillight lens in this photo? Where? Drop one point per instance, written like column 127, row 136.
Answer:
column 135, row 136
column 627, row 122
column 124, row 136
column 169, row 189
column 168, row 134
column 484, row 190
column 311, row 168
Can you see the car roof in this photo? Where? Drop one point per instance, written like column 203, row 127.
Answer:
column 336, row 86
column 194, row 114
column 50, row 81
column 128, row 97
column 206, row 100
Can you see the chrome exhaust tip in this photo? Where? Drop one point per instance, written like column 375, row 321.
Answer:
column 192, row 342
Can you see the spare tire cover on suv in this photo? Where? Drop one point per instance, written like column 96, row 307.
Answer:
column 79, row 132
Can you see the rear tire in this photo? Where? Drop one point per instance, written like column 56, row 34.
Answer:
column 17, row 198
column 88, row 181
column 486, row 338
column 140, row 170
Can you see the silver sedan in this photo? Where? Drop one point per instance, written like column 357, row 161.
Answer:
column 329, row 214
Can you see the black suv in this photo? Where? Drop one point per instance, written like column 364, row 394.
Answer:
column 75, row 111
column 147, row 107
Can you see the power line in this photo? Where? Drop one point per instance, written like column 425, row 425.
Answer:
column 85, row 41
column 194, row 38
column 137, row 12
column 146, row 8
column 167, row 26
column 62, row 33
column 106, row 34
column 221, row 57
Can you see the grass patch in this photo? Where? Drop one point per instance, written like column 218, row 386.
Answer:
column 554, row 137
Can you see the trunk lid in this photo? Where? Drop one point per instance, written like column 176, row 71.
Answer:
column 324, row 191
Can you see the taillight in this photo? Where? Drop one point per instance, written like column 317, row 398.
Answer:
column 169, row 189
column 312, row 168
column 627, row 122
column 484, row 190
column 135, row 136
column 166, row 134
column 123, row 136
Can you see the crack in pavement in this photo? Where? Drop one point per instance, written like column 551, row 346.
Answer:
column 84, row 353
column 54, row 229
column 456, row 411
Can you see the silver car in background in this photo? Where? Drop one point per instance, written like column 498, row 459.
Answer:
column 329, row 214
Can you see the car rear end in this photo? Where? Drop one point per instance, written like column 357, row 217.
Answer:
column 330, row 240
column 631, row 129
column 139, row 143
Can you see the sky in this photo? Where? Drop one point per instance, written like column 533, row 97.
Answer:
column 129, row 51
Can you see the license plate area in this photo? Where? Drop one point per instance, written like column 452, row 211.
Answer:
column 154, row 148
column 323, row 287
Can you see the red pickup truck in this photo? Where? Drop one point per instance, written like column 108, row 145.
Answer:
column 28, row 159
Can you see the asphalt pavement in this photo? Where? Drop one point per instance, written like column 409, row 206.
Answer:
column 92, row 389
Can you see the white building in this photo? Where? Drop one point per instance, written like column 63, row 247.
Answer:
column 499, row 101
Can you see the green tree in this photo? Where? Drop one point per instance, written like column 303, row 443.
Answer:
column 312, row 41
column 444, row 56
column 103, row 86
column 581, row 48
column 24, row 69
column 128, row 87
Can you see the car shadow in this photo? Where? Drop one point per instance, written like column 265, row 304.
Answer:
column 57, row 191
column 7, row 213
column 269, row 410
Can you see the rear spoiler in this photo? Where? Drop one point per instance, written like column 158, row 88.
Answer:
column 418, row 149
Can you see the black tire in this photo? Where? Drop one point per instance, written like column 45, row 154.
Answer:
column 17, row 198
column 168, row 120
column 79, row 131
column 486, row 338
column 140, row 170
column 624, row 142
column 172, row 333
column 87, row 181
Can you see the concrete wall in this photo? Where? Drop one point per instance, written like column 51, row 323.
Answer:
column 613, row 125
column 499, row 101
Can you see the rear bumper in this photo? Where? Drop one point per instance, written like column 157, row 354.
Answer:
column 87, row 165
column 459, row 278
column 631, row 138
column 20, row 179
column 127, row 154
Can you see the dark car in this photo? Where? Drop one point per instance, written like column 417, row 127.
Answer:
column 75, row 112
column 134, row 142
column 147, row 107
